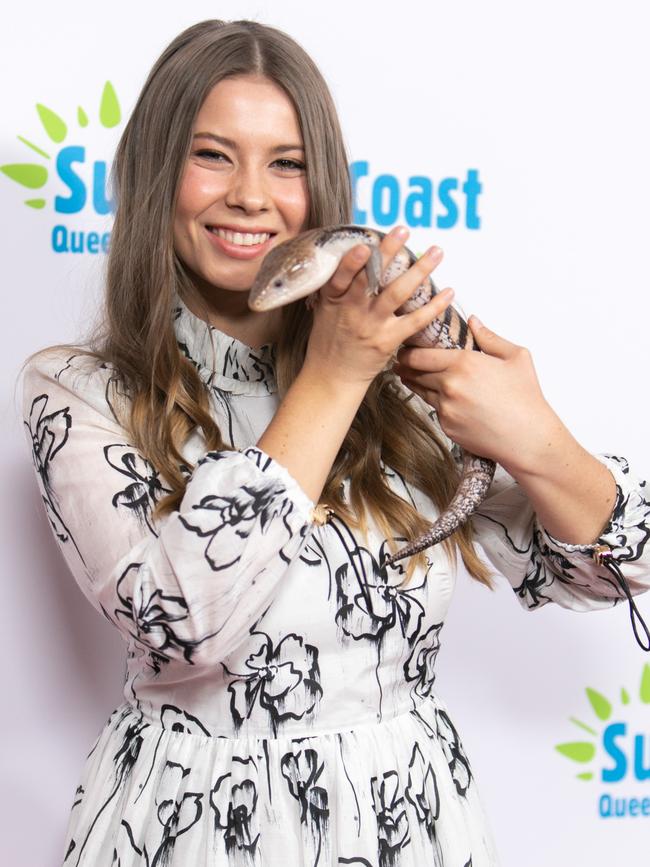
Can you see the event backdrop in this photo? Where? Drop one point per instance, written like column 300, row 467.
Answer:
column 514, row 135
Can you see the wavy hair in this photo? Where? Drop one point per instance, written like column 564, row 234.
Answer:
column 135, row 335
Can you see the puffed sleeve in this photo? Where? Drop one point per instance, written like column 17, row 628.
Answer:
column 189, row 585
column 542, row 569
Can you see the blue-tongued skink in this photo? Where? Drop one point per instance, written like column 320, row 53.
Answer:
column 299, row 267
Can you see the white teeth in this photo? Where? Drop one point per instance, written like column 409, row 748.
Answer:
column 244, row 239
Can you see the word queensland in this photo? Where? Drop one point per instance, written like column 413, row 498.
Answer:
column 383, row 200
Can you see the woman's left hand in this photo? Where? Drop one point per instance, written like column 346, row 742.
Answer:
column 488, row 402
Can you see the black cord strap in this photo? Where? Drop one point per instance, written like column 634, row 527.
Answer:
column 602, row 554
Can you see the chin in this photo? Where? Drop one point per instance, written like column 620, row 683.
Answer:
column 226, row 285
column 223, row 280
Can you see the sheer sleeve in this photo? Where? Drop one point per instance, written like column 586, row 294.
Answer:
column 187, row 586
column 542, row 569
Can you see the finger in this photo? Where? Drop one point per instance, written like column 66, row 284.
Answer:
column 410, row 323
column 491, row 343
column 406, row 285
column 348, row 268
column 428, row 381
column 416, row 359
column 428, row 395
column 388, row 248
column 350, row 273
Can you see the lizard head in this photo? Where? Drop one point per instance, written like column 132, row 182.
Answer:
column 288, row 272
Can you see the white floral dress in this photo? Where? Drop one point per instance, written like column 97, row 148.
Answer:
column 279, row 704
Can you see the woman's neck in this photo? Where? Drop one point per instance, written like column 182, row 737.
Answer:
column 229, row 312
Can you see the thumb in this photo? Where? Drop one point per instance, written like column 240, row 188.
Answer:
column 489, row 342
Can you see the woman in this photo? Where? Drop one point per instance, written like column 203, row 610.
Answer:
column 279, row 704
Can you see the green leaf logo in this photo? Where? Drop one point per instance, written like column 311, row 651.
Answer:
column 584, row 751
column 602, row 708
column 35, row 175
column 645, row 684
column 579, row 751
column 109, row 109
column 28, row 174
column 54, row 125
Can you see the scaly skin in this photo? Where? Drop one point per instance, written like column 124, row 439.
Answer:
column 299, row 267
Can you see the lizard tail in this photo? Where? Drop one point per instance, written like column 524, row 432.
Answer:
column 476, row 477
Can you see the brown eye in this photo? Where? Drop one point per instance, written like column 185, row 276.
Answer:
column 290, row 164
column 210, row 155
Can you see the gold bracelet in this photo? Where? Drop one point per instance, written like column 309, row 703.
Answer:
column 600, row 552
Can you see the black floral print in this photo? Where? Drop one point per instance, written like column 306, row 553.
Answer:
column 123, row 764
column 373, row 603
column 422, row 791
column 303, row 770
column 461, row 772
column 149, row 618
column 629, row 528
column 175, row 719
column 176, row 813
column 392, row 819
column 378, row 605
column 283, row 682
column 545, row 567
column 254, row 366
column 48, row 435
column 225, row 520
column 146, row 487
column 420, row 666
column 234, row 801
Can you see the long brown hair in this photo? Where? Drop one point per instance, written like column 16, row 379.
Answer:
column 168, row 400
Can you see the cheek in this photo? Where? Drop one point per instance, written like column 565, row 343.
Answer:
column 183, row 210
column 295, row 202
column 193, row 199
column 182, row 235
column 195, row 194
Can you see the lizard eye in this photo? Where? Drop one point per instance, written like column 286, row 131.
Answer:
column 277, row 283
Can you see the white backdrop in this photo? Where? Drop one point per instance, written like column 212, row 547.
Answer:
column 547, row 102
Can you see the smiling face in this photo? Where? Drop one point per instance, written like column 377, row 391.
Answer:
column 244, row 188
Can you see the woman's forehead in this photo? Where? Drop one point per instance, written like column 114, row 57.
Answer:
column 248, row 104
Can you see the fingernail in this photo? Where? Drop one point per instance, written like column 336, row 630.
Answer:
column 401, row 232
column 446, row 293
column 433, row 252
column 476, row 321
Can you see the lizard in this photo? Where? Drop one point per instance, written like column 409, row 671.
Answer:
column 298, row 267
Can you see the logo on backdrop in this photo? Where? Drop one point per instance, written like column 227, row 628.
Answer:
column 449, row 203
column 615, row 757
column 82, row 183
column 82, row 179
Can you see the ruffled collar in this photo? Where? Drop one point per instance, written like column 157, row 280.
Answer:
column 224, row 362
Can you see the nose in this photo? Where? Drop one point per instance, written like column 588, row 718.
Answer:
column 248, row 190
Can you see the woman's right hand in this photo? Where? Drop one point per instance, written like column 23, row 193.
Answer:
column 354, row 335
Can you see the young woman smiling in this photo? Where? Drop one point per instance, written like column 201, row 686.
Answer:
column 279, row 703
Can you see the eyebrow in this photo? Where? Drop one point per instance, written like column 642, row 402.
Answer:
column 227, row 142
